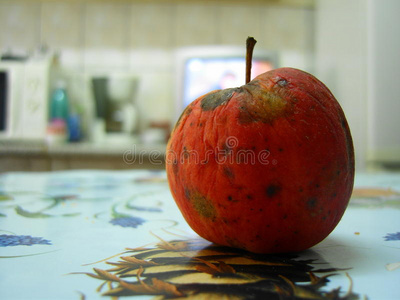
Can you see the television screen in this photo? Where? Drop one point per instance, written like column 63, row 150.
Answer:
column 202, row 69
column 203, row 75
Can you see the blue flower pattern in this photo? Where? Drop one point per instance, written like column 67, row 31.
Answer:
column 392, row 236
column 133, row 222
column 21, row 240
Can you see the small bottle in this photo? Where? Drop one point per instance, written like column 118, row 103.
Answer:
column 74, row 127
column 58, row 115
column 59, row 106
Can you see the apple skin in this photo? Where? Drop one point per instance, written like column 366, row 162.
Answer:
column 267, row 167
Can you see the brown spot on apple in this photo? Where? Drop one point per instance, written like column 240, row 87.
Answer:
column 228, row 172
column 185, row 112
column 265, row 106
column 232, row 242
column 175, row 167
column 201, row 204
column 216, row 98
column 272, row 190
column 312, row 202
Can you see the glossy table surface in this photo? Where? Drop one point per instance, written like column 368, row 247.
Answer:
column 119, row 235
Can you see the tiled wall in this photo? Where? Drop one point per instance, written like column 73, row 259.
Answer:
column 140, row 37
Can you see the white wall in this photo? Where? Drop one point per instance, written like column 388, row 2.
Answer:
column 383, row 81
column 357, row 56
column 341, row 56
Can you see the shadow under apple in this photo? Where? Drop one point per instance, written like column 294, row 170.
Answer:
column 198, row 269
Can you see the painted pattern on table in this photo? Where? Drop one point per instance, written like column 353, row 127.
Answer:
column 197, row 269
column 34, row 204
column 187, row 268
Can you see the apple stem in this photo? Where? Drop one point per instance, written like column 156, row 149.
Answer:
column 250, row 43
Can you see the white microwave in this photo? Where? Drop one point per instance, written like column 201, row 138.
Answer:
column 24, row 92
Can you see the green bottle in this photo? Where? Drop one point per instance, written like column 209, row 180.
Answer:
column 59, row 106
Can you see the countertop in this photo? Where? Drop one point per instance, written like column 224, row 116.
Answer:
column 97, row 234
column 36, row 155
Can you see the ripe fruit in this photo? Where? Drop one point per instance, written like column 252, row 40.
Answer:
column 267, row 167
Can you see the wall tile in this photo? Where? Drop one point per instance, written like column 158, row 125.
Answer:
column 196, row 24
column 151, row 25
column 107, row 25
column 19, row 25
column 151, row 59
column 106, row 36
column 286, row 28
column 237, row 22
column 102, row 60
column 61, row 24
column 154, row 99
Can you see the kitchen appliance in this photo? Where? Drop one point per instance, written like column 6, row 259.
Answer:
column 116, row 114
column 24, row 87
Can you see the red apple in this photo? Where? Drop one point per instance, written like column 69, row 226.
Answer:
column 267, row 167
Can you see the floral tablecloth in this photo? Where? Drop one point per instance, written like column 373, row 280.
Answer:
column 118, row 234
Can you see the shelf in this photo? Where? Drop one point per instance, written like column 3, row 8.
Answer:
column 20, row 155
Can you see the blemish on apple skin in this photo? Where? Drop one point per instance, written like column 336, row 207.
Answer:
column 232, row 242
column 262, row 106
column 228, row 172
column 282, row 82
column 185, row 112
column 185, row 153
column 187, row 193
column 201, row 204
column 227, row 149
column 272, row 190
column 230, row 199
column 312, row 203
column 216, row 98
column 175, row 167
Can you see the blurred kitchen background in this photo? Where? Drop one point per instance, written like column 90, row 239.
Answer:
column 99, row 84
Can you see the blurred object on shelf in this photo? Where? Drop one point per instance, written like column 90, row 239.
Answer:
column 59, row 106
column 74, row 127
column 156, row 133
column 56, row 132
column 59, row 111
column 116, row 116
